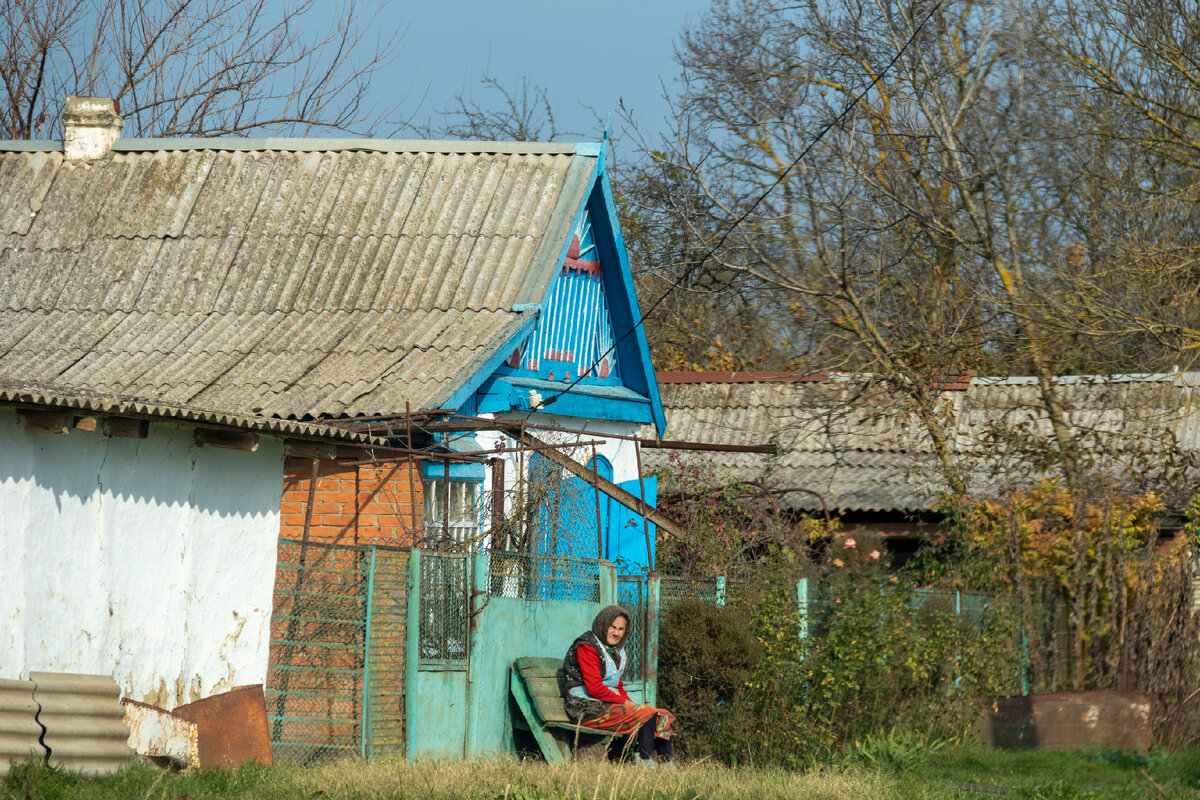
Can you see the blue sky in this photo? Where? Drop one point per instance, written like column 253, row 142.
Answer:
column 583, row 54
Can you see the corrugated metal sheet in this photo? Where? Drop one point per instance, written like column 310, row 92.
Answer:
column 288, row 278
column 855, row 447
column 20, row 734
column 83, row 718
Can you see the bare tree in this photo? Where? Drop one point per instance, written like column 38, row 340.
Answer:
column 194, row 67
column 517, row 115
column 913, row 191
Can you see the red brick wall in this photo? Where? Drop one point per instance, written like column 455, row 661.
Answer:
column 365, row 504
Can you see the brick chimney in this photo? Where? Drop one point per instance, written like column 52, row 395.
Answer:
column 90, row 126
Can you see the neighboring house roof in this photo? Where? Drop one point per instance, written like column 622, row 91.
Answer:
column 297, row 279
column 855, row 444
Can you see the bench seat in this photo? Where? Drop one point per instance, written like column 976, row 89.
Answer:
column 537, row 686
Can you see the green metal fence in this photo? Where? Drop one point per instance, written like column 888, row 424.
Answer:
column 336, row 668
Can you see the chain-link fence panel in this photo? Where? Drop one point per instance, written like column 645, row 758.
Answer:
column 315, row 672
column 675, row 589
column 564, row 515
column 445, row 587
column 532, row 576
column 631, row 595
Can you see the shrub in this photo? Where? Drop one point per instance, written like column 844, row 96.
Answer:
column 877, row 662
column 706, row 654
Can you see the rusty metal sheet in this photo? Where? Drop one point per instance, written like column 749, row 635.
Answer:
column 1069, row 721
column 158, row 733
column 84, row 721
column 20, row 733
column 232, row 727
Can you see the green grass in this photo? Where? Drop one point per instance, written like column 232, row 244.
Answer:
column 963, row 773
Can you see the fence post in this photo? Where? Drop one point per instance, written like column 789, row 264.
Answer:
column 365, row 748
column 477, row 579
column 721, row 591
column 608, row 584
column 802, row 606
column 412, row 652
column 650, row 669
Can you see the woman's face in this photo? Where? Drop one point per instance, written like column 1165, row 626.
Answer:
column 616, row 631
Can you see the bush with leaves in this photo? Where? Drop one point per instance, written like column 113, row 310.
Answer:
column 878, row 658
column 705, row 658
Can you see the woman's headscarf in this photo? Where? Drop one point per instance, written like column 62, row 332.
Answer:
column 604, row 620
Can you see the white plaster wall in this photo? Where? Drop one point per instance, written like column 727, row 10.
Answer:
column 152, row 560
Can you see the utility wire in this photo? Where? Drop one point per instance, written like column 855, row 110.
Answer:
column 854, row 101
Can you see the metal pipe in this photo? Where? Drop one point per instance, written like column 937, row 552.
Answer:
column 665, row 444
column 459, row 457
column 637, row 451
column 412, row 482
column 367, row 732
column 446, row 504
column 599, row 519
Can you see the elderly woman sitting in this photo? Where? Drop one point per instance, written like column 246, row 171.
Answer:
column 596, row 696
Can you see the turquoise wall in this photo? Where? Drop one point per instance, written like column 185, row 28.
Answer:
column 440, row 722
column 509, row 629
column 464, row 710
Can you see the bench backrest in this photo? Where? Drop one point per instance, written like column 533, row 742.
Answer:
column 544, row 681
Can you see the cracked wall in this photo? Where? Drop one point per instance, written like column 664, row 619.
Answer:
column 152, row 560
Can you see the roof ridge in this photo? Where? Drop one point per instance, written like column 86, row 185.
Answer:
column 306, row 144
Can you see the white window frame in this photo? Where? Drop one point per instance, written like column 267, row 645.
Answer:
column 466, row 521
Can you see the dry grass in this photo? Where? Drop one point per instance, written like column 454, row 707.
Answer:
column 509, row 779
column 963, row 773
column 499, row 779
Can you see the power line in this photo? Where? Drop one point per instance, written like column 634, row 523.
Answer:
column 854, row 101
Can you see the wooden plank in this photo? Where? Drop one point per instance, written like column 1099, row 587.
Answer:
column 55, row 422
column 232, row 440
column 550, row 687
column 497, row 465
column 550, row 709
column 299, row 448
column 86, row 423
column 582, row 729
column 608, row 487
column 552, row 749
column 534, row 667
column 124, row 428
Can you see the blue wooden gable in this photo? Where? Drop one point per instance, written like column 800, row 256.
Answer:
column 583, row 351
column 574, row 336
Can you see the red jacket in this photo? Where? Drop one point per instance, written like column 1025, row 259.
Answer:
column 593, row 676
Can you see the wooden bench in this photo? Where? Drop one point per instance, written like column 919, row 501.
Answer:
column 537, row 686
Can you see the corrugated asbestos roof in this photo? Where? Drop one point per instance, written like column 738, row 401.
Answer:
column 131, row 407
column 856, row 446
column 284, row 278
